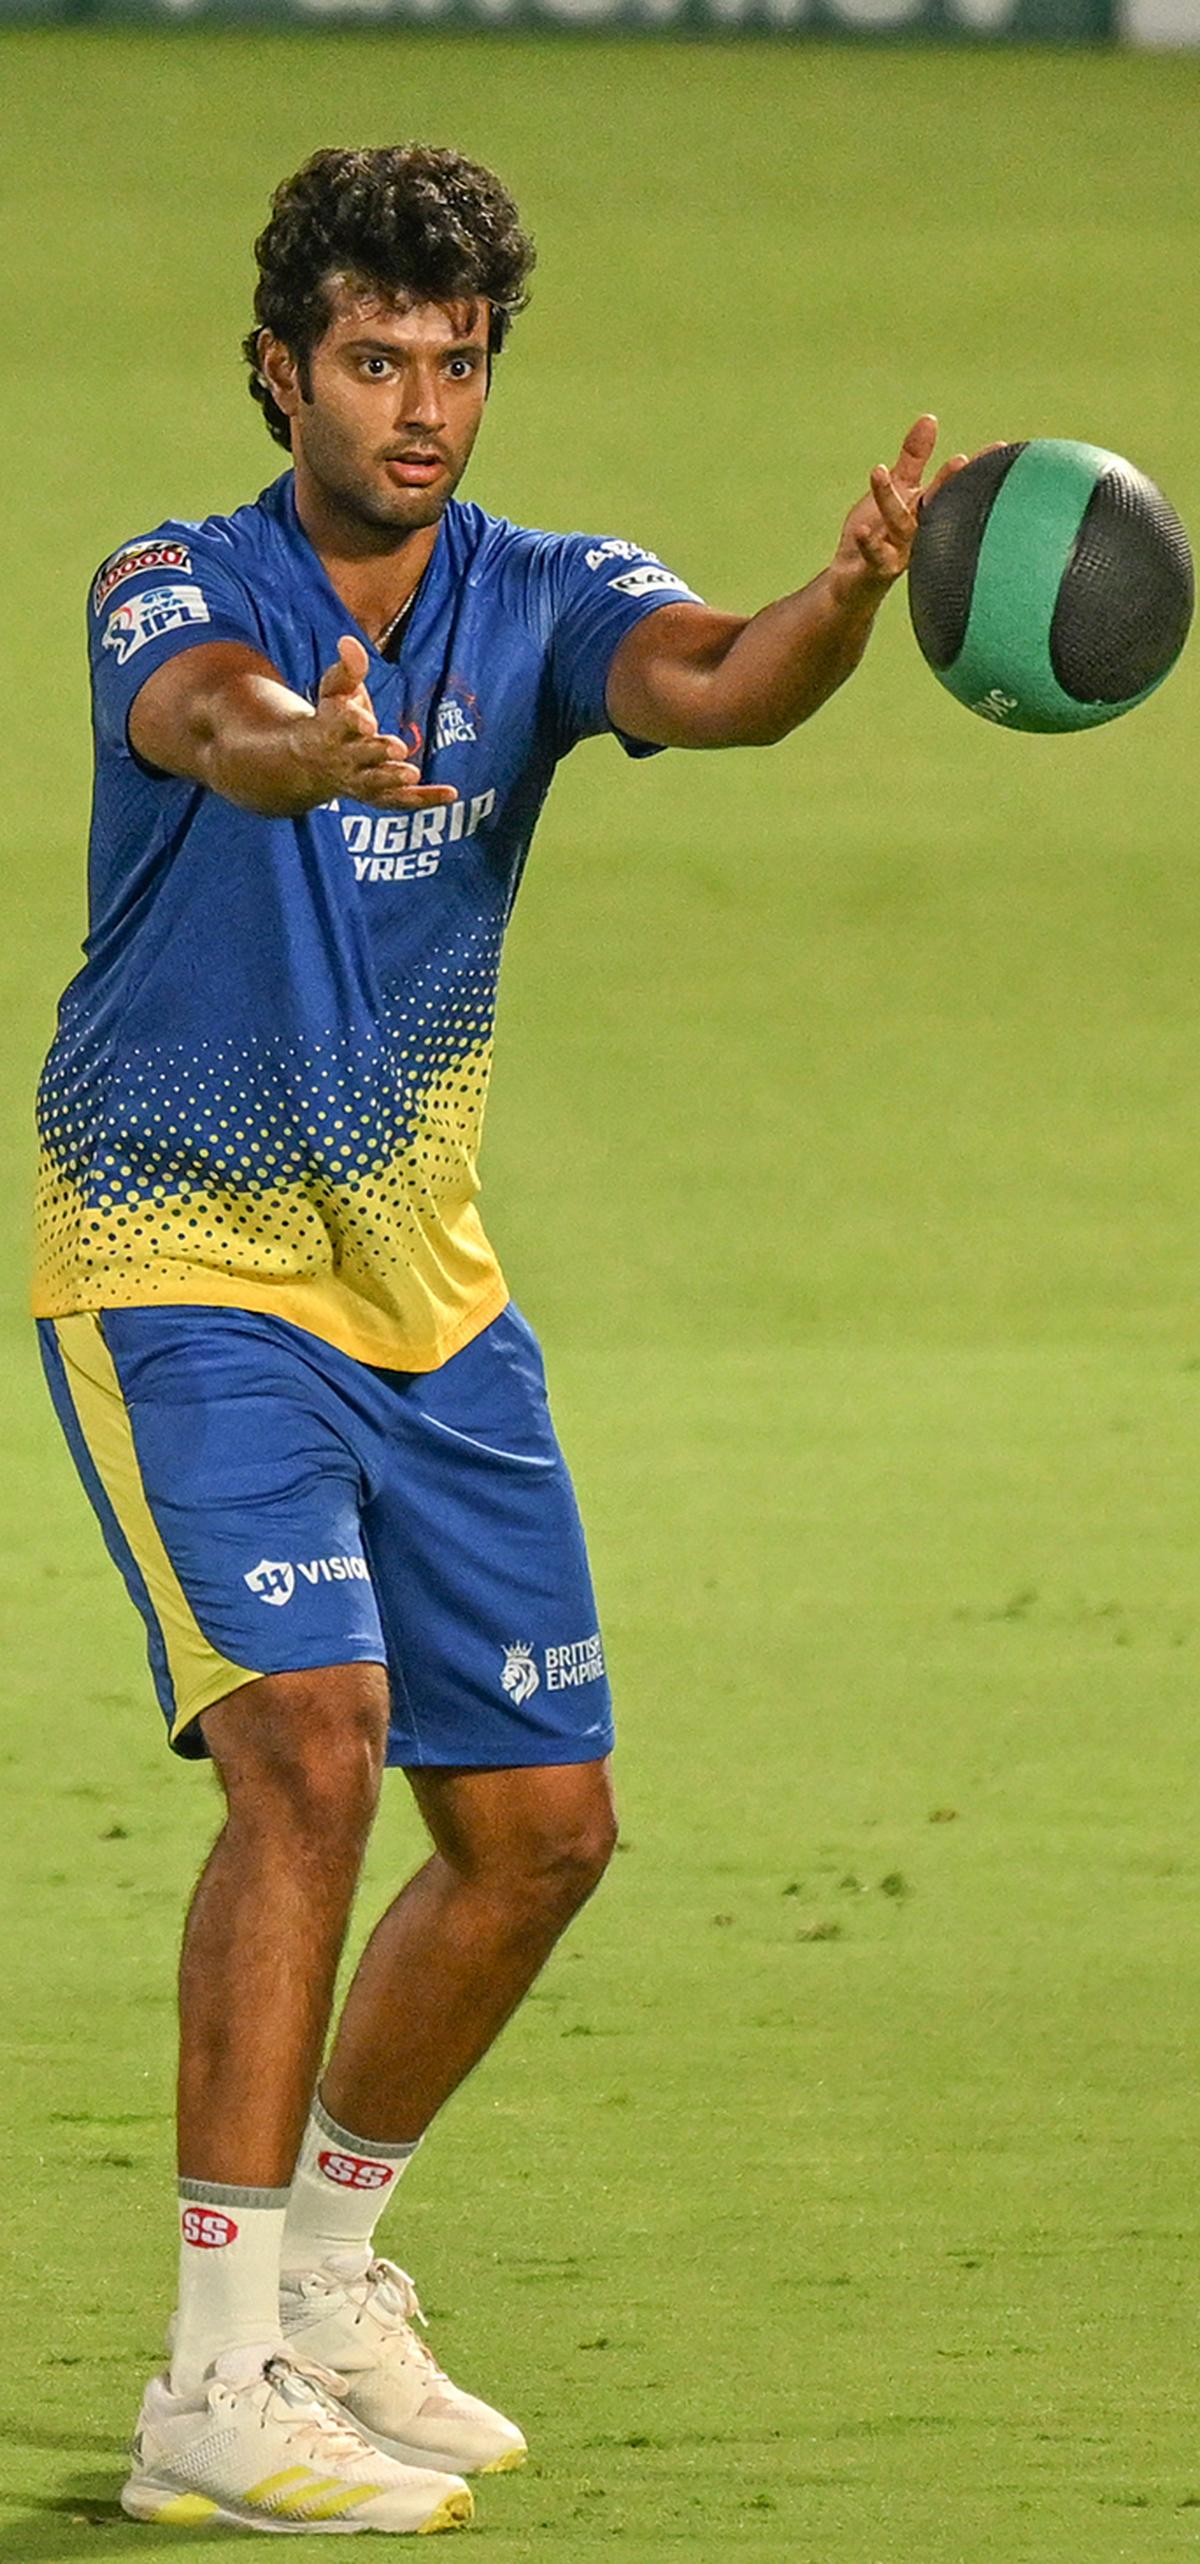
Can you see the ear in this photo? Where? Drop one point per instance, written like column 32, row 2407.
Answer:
column 279, row 372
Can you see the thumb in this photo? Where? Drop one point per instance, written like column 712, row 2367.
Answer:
column 349, row 668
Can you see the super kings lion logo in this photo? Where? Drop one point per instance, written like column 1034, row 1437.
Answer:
column 355, row 2171
column 208, row 2227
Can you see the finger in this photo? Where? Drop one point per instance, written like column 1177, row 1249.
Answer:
column 386, row 794
column 348, row 720
column 398, row 754
column 370, row 756
column 895, row 509
column 372, row 764
column 385, row 744
column 957, row 463
column 909, row 466
column 349, row 668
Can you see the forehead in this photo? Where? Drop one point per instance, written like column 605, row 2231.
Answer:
column 360, row 310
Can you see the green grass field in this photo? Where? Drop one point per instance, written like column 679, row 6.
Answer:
column 835, row 2200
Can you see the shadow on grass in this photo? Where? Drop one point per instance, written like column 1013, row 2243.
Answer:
column 55, row 2525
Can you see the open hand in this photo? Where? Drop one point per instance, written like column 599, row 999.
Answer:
column 878, row 535
column 344, row 751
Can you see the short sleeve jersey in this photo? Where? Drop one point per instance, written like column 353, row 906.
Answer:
column 267, row 1084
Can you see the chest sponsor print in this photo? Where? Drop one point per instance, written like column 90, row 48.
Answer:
column 408, row 845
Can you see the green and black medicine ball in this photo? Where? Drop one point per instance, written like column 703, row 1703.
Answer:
column 1050, row 585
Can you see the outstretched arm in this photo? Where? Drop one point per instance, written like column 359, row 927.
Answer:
column 222, row 715
column 685, row 677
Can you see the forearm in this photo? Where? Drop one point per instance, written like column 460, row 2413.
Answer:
column 789, row 658
column 255, row 748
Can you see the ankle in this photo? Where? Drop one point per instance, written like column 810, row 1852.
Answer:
column 229, row 2246
column 342, row 2185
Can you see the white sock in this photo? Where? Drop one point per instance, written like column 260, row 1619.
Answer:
column 229, row 2246
column 341, row 2188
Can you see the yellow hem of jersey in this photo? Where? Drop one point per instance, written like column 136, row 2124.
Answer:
column 199, row 1674
column 385, row 1351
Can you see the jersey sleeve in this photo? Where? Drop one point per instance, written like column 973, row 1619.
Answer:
column 153, row 598
column 604, row 587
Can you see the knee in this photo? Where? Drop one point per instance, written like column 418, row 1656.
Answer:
column 548, row 1875
column 304, row 1753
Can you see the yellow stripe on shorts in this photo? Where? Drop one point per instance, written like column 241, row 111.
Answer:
column 199, row 1675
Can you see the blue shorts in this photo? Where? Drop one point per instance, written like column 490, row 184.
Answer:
column 274, row 1505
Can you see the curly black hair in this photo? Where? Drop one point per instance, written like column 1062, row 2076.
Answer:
column 408, row 220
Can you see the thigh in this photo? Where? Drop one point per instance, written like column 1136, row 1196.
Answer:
column 224, row 1475
column 480, row 1562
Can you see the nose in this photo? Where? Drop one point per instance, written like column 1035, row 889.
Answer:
column 421, row 402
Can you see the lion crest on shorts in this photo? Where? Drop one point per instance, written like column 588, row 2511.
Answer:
column 520, row 1676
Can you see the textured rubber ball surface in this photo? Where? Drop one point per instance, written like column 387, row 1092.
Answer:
column 1126, row 598
column 941, row 573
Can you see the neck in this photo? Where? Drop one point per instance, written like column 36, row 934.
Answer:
column 374, row 568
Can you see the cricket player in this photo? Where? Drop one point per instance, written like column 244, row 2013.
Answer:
column 312, row 1423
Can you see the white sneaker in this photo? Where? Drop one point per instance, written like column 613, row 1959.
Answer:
column 265, row 2445
column 360, row 2322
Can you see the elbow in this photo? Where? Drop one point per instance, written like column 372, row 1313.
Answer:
column 756, row 733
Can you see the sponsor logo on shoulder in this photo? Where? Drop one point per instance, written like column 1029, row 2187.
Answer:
column 601, row 554
column 648, row 576
column 355, row 2171
column 135, row 558
column 208, row 2228
column 146, row 617
column 274, row 1579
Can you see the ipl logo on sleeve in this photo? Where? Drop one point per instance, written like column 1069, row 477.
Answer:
column 157, row 610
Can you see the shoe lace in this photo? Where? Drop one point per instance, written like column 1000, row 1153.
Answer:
column 389, row 2294
column 319, row 2429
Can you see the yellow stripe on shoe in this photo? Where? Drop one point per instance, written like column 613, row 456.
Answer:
column 335, row 2505
column 199, row 1674
column 292, row 2476
column 184, row 2510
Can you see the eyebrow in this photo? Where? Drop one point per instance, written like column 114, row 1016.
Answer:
column 392, row 347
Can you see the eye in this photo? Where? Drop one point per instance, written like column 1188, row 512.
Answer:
column 466, row 365
column 381, row 362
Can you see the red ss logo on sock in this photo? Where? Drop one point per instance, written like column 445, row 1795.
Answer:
column 356, row 2171
column 208, row 2227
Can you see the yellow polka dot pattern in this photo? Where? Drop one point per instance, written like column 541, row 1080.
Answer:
column 330, row 1182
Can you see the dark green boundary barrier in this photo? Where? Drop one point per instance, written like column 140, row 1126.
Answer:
column 1026, row 21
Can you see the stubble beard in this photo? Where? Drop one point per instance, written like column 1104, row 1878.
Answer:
column 368, row 507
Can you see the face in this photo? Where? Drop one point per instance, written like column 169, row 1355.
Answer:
column 392, row 407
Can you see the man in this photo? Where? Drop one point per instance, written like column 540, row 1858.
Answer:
column 312, row 1424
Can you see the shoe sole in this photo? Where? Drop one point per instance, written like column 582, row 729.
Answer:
column 165, row 2507
column 430, row 2461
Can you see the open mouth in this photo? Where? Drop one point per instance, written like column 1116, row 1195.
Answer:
column 414, row 468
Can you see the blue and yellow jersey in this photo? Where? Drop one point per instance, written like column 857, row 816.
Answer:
column 267, row 1084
